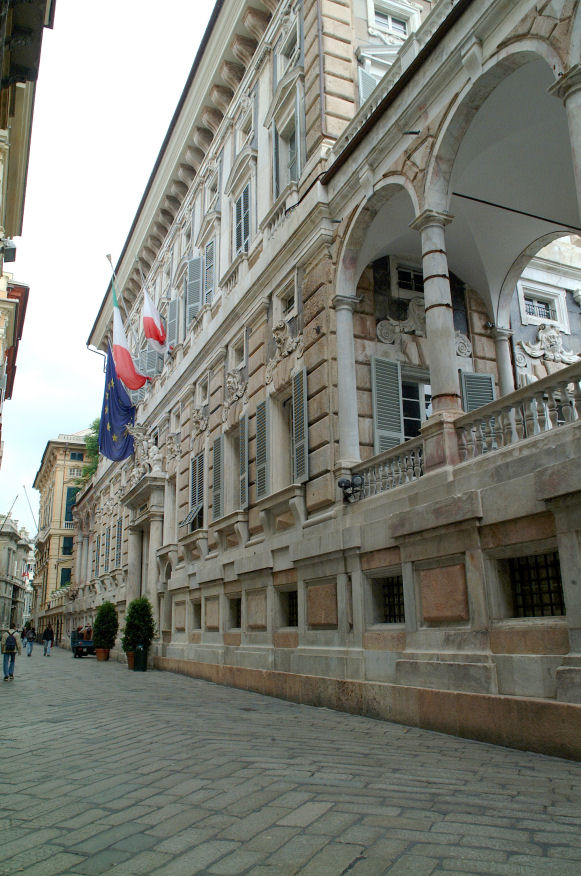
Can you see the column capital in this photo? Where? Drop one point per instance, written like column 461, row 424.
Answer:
column 569, row 83
column 431, row 217
column 501, row 334
column 345, row 302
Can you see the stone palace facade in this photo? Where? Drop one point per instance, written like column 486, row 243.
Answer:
column 356, row 479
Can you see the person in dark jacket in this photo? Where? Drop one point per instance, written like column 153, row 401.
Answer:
column 47, row 640
column 30, row 640
column 11, row 646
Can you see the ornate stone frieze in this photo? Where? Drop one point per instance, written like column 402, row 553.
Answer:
column 199, row 421
column 285, row 345
column 549, row 347
column 235, row 390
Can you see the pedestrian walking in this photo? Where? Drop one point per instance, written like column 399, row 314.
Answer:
column 11, row 646
column 30, row 640
column 47, row 640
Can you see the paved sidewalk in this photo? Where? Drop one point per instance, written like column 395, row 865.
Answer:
column 108, row 771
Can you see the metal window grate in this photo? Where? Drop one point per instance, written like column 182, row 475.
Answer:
column 393, row 604
column 236, row 613
column 536, row 585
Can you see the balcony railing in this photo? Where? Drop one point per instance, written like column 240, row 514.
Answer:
column 393, row 468
column 547, row 404
column 538, row 408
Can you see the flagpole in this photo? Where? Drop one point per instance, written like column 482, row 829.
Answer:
column 114, row 277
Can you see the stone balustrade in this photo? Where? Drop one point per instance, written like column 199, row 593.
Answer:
column 544, row 405
column 393, row 468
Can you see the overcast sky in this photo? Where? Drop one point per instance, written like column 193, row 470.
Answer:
column 110, row 77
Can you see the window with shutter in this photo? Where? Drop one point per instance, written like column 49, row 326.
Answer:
column 242, row 220
column 243, row 470
column 107, row 549
column 218, row 478
column 193, row 290
column 367, row 84
column 262, row 449
column 387, row 404
column 119, row 537
column 195, row 516
column 477, row 390
column 97, row 556
column 209, row 271
column 172, row 322
column 300, row 427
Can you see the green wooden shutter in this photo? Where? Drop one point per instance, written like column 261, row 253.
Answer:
column 172, row 322
column 193, row 290
column 246, row 217
column 243, row 471
column 387, row 404
column 218, row 479
column 300, row 426
column 477, row 390
column 262, row 449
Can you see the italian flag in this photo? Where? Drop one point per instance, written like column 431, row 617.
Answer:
column 152, row 325
column 122, row 357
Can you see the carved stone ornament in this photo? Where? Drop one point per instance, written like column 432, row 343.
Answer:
column 172, row 445
column 463, row 345
column 389, row 330
column 549, row 347
column 147, row 455
column 385, row 38
column 199, row 421
column 235, row 390
column 285, row 345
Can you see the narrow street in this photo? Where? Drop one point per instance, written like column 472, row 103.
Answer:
column 109, row 771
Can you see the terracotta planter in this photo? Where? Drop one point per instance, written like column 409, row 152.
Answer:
column 102, row 653
column 130, row 659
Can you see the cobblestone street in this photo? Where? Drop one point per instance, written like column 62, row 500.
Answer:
column 109, row 771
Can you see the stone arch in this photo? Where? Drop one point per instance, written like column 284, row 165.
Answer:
column 357, row 249
column 502, row 316
column 437, row 191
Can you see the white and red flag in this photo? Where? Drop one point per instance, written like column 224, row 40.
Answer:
column 122, row 357
column 152, row 325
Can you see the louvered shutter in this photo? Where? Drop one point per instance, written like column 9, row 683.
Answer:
column 262, row 449
column 275, row 162
column 98, row 556
column 118, row 542
column 477, row 390
column 209, row 271
column 238, row 225
column 246, row 217
column 367, row 84
column 150, row 362
column 218, row 478
column 243, row 440
column 193, row 290
column 172, row 322
column 387, row 404
column 300, row 428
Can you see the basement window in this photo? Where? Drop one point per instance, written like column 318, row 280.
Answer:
column 535, row 585
column 387, row 599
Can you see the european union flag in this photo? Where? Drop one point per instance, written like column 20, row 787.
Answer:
column 117, row 413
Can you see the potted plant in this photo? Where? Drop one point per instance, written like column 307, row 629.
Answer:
column 105, row 630
column 139, row 630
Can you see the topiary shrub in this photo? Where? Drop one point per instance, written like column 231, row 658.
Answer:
column 105, row 626
column 139, row 625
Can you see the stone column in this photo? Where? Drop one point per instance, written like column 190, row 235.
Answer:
column 155, row 542
column 134, row 565
column 503, row 360
column 85, row 559
column 79, row 559
column 568, row 89
column 438, row 433
column 346, row 382
column 439, row 316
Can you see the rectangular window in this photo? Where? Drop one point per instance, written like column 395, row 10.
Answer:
column 118, row 543
column 97, row 556
column 235, row 613
column 535, row 584
column 242, row 221
column 65, row 577
column 289, row 608
column 77, row 455
column 107, row 549
column 67, row 546
column 70, row 501
column 417, row 406
column 195, row 516
column 410, row 280
column 209, row 271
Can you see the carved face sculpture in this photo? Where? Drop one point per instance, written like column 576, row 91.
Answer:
column 279, row 333
column 550, row 339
